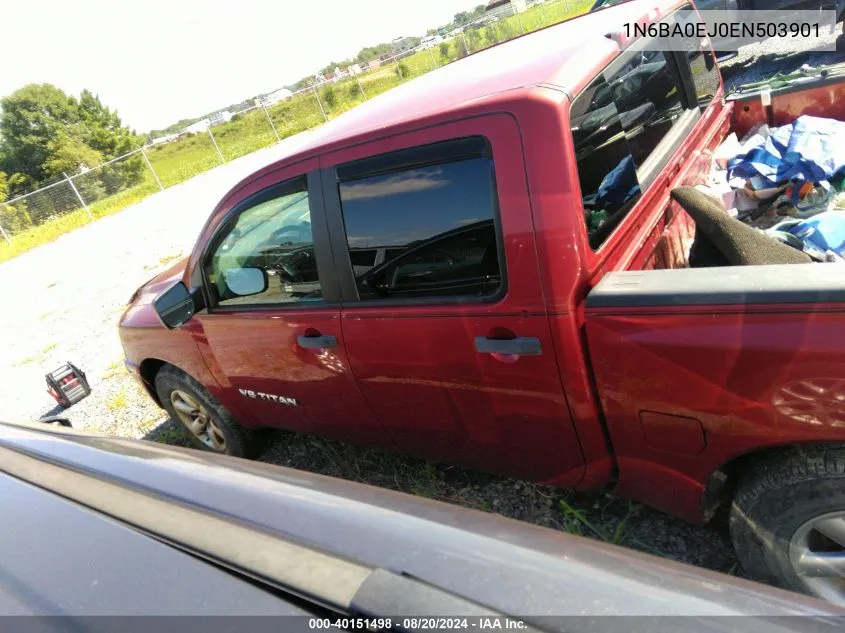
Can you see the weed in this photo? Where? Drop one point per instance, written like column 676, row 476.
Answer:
column 25, row 361
column 118, row 401
column 167, row 259
column 115, row 368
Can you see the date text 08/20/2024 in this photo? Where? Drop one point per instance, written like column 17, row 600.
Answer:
column 417, row 623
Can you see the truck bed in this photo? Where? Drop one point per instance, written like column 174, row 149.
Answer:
column 696, row 366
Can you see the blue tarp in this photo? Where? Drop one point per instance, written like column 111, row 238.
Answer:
column 811, row 149
column 826, row 231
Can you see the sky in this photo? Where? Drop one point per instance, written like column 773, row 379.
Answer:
column 159, row 61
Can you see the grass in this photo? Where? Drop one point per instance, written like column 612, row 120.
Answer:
column 167, row 259
column 40, row 356
column 25, row 361
column 114, row 369
column 117, row 402
column 181, row 160
column 574, row 521
column 163, row 261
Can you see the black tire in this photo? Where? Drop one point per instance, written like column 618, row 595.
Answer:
column 239, row 442
column 780, row 493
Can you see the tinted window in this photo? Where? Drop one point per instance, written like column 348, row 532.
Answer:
column 362, row 259
column 273, row 237
column 606, row 168
column 434, row 226
column 648, row 95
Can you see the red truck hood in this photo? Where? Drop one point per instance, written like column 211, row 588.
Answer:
column 148, row 291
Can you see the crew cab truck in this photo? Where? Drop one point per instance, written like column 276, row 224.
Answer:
column 445, row 271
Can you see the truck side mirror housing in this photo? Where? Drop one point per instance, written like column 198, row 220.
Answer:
column 177, row 305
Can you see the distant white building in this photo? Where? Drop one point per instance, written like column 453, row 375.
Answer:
column 163, row 139
column 498, row 9
column 431, row 41
column 199, row 127
column 220, row 117
column 354, row 69
column 276, row 96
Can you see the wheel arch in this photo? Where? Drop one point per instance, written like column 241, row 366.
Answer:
column 722, row 483
column 148, row 370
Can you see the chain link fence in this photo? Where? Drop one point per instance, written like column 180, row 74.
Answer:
column 75, row 199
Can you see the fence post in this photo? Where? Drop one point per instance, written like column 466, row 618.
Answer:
column 433, row 58
column 399, row 70
column 269, row 120
column 5, row 236
column 319, row 103
column 360, row 87
column 150, row 166
column 79, row 197
column 545, row 17
column 219, row 153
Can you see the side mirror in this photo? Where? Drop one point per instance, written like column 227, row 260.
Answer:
column 245, row 282
column 176, row 306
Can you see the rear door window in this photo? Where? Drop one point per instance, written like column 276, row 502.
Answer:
column 433, row 226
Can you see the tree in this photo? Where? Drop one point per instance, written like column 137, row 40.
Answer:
column 47, row 133
column 330, row 97
column 13, row 218
column 373, row 52
column 102, row 131
column 462, row 18
column 32, row 118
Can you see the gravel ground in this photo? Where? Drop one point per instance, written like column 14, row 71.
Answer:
column 781, row 55
column 70, row 293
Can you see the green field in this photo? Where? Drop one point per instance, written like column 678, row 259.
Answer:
column 181, row 160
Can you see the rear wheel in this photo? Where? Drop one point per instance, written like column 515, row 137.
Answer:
column 206, row 423
column 788, row 521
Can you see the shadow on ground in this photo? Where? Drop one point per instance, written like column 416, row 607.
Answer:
column 57, row 410
column 599, row 516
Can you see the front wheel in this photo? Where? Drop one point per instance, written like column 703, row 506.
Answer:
column 206, row 423
column 787, row 521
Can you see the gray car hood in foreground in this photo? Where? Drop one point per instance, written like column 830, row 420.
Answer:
column 513, row 567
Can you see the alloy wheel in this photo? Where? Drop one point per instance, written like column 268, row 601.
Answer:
column 198, row 420
column 817, row 554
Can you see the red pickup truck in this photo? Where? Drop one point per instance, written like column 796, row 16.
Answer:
column 428, row 274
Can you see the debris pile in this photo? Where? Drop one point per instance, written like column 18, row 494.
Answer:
column 787, row 181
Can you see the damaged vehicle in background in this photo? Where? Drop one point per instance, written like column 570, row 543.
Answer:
column 542, row 308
